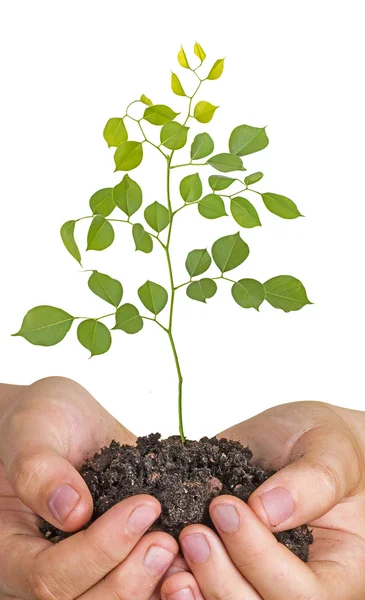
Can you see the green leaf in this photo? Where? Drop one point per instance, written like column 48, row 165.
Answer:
column 201, row 290
column 176, row 86
column 217, row 69
column 281, row 206
column 68, row 238
column 94, row 336
column 146, row 100
column 245, row 139
column 153, row 296
column 100, row 235
column 128, row 156
column 244, row 213
column 159, row 114
column 226, row 162
column 202, row 146
column 254, row 178
column 197, row 262
column 115, row 132
column 212, row 207
column 248, row 293
column 286, row 292
column 181, row 57
column 127, row 195
column 204, row 111
column 220, row 182
column 107, row 288
column 229, row 252
column 142, row 238
column 157, row 216
column 199, row 52
column 102, row 203
column 45, row 325
column 191, row 187
column 128, row 319
column 173, row 135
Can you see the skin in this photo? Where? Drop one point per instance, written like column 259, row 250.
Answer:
column 108, row 560
column 319, row 448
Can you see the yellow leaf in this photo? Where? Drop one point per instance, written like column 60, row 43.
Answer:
column 198, row 50
column 181, row 57
column 176, row 86
column 217, row 69
column 146, row 100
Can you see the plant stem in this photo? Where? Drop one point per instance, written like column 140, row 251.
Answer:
column 130, row 223
column 172, row 301
column 172, row 285
column 214, row 278
column 190, row 164
column 155, row 321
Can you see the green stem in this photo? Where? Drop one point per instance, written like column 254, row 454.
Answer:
column 145, row 139
column 190, row 164
column 130, row 223
column 105, row 316
column 155, row 321
column 186, row 204
column 172, row 301
column 214, row 278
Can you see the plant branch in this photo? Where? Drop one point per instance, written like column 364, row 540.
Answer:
column 130, row 223
column 145, row 138
column 155, row 321
column 190, row 164
column 184, row 205
column 214, row 278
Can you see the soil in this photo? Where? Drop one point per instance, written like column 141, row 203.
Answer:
column 183, row 477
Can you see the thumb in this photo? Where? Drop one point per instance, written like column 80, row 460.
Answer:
column 32, row 445
column 324, row 468
column 50, row 486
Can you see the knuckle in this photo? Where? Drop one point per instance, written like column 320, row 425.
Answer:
column 98, row 560
column 28, row 473
column 223, row 595
column 45, row 587
column 255, row 559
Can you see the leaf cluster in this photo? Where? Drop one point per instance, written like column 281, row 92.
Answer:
column 213, row 196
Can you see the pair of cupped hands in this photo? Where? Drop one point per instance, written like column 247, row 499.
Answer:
column 46, row 429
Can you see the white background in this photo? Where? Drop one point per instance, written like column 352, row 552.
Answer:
column 297, row 67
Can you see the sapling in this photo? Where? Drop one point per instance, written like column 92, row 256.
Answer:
column 222, row 192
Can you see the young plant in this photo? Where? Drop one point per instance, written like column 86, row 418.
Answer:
column 48, row 325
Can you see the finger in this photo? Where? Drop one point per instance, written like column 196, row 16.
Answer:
column 258, row 556
column 70, row 568
column 178, row 566
column 324, row 468
column 138, row 576
column 51, row 424
column 218, row 578
column 181, row 586
column 50, row 486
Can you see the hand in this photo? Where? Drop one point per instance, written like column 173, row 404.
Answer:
column 320, row 450
column 46, row 430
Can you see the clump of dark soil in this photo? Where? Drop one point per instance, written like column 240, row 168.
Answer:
column 183, row 477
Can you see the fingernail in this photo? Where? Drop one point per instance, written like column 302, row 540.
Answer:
column 141, row 518
column 157, row 560
column 226, row 517
column 196, row 547
column 278, row 504
column 62, row 502
column 185, row 594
